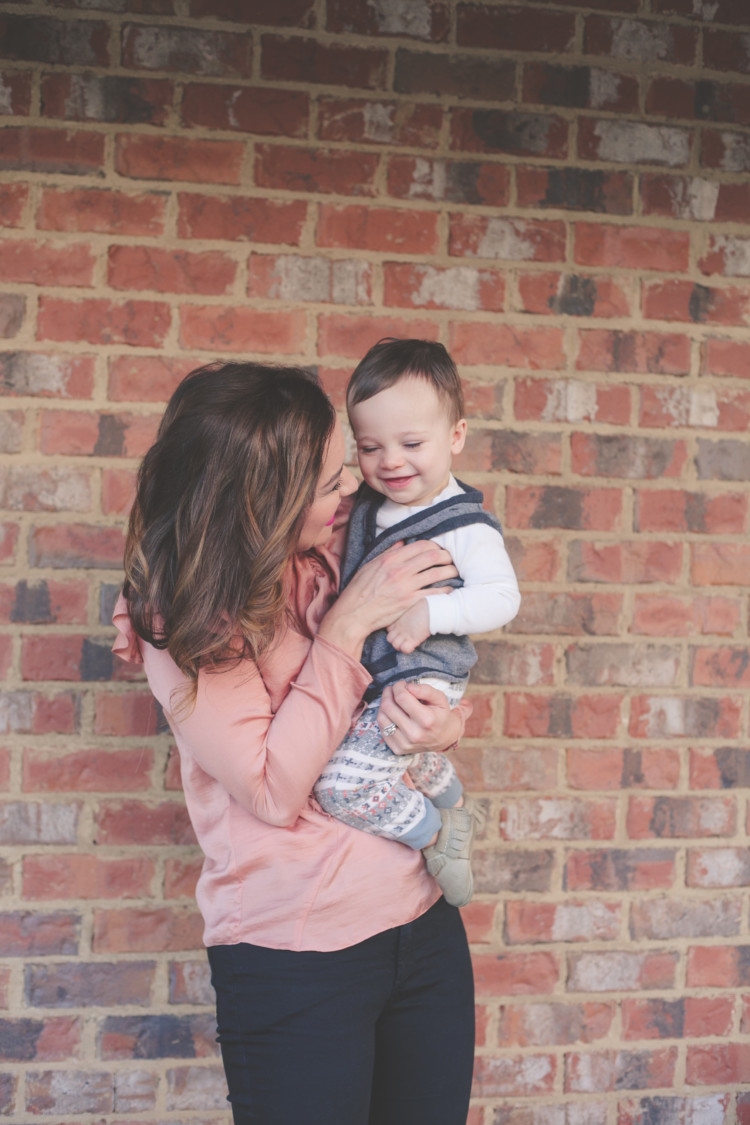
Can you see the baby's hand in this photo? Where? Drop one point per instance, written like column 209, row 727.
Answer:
column 409, row 630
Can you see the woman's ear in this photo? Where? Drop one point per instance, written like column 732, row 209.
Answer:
column 458, row 437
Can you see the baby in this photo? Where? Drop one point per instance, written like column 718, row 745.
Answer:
column 405, row 405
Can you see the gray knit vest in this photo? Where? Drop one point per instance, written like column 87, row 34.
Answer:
column 443, row 654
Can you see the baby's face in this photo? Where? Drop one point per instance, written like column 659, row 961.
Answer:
column 406, row 441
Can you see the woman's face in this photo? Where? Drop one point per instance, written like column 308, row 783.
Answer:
column 334, row 482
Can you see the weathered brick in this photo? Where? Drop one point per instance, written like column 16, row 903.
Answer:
column 333, row 64
column 622, row 665
column 671, row 616
column 108, row 98
column 676, row 1019
column 15, row 93
column 352, row 335
column 196, row 1087
column 101, row 211
column 514, row 29
column 571, row 400
column 640, row 40
column 622, row 769
column 686, row 406
column 575, row 189
column 514, row 1077
column 558, row 294
column 98, row 984
column 515, row 240
column 237, row 217
column 725, row 50
column 34, row 822
column 85, row 876
column 547, row 818
column 619, row 869
column 557, row 506
column 181, row 877
column 634, row 142
column 46, row 375
column 74, row 433
column 425, row 19
column 619, row 1070
column 676, row 817
column 69, row 1092
column 456, row 181
column 62, row 42
column 621, row 971
column 46, row 602
column 46, row 263
column 149, row 157
column 516, row 974
column 99, row 321
column 579, row 87
column 728, row 255
column 89, row 771
column 673, row 716
column 145, row 378
column 271, row 13
column 525, row 665
column 552, row 1024
column 639, row 353
column 678, row 511
column 497, row 872
column 700, row 100
column 719, row 564
column 628, row 247
column 718, row 867
column 696, row 304
column 508, row 131
column 568, row 614
column 186, row 50
column 190, row 983
column 664, row 919
column 158, row 1037
column 631, row 562
column 527, row 923
column 137, row 822
column 134, row 930
column 290, row 277
column 720, row 667
column 718, row 966
column 510, row 450
column 727, row 767
column 27, row 934
column 496, row 768
column 729, row 152
column 76, row 545
column 329, row 171
column 534, row 560
column 458, row 287
column 722, row 460
column 51, row 1040
column 454, row 75
column 241, row 329
column 134, row 713
column 52, row 151
column 721, row 1063
column 13, row 200
column 694, row 198
column 246, row 109
column 673, row 1110
column 503, row 345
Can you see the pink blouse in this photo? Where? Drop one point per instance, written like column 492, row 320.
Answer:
column 278, row 871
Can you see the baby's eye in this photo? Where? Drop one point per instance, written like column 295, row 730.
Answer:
column 367, row 449
column 412, row 444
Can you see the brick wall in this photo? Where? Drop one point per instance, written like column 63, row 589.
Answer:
column 559, row 192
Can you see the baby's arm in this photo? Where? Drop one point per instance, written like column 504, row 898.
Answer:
column 489, row 597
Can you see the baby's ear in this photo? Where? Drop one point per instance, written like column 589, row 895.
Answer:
column 459, row 436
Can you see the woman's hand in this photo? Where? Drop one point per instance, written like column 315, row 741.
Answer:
column 383, row 589
column 423, row 718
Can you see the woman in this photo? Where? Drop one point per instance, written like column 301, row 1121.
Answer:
column 343, row 982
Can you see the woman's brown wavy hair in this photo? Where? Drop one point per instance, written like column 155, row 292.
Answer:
column 220, row 502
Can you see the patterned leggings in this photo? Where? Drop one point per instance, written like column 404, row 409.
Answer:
column 363, row 784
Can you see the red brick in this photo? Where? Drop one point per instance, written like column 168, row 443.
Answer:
column 458, row 287
column 165, row 271
column 606, row 869
column 633, row 352
column 515, row 974
column 610, row 455
column 329, row 171
column 515, row 240
column 380, row 229
column 353, row 335
column 241, row 329
column 146, row 931
column 237, row 217
column 720, row 667
column 626, row 769
column 502, row 770
column 524, row 665
column 180, row 877
column 504, row 345
column 575, row 509
column 466, row 182
column 291, row 277
column 568, row 614
column 51, row 151
column 726, row 357
column 627, row 247
column 87, row 771
column 725, row 768
column 720, row 564
column 59, row 42
column 13, row 199
column 74, row 433
column 722, row 11
column 575, row 189
column 611, row 971
column 686, row 406
column 272, row 13
column 534, row 561
column 563, row 818
column 46, row 375
column 625, row 562
column 508, row 131
column 186, row 50
column 98, row 321
column 569, row 400
column 178, row 158
column 680, row 717
column 86, row 1091
column 697, row 304
column 728, row 151
column 379, row 122
column 699, row 101
column 145, row 378
column 720, row 1064
column 728, row 255
column 506, row 450
column 646, row 41
column 514, row 29
column 136, row 822
column 26, row 934
column 677, row 511
column 717, row 966
column 694, row 199
column 8, row 541
column 458, row 74
column 619, row 1070
column 101, row 211
column 132, row 713
column 687, row 1017
column 246, row 109
column 332, row 64
column 76, row 545
column 579, row 87
column 514, row 1077
column 361, row 18
column 552, row 1024
column 118, row 491
column 51, row 658
column 667, row 918
column 557, row 294
column 677, row 817
column 85, row 876
column 51, row 1040
column 724, row 50
column 528, row 923
column 663, row 616
column 190, row 982
column 108, row 98
column 15, row 93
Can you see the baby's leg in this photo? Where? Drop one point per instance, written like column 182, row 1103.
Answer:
column 434, row 774
column 363, row 786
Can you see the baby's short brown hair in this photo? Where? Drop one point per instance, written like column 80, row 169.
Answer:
column 391, row 360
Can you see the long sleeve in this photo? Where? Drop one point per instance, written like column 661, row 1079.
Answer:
column 489, row 597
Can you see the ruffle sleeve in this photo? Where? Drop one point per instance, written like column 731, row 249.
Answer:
column 127, row 644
